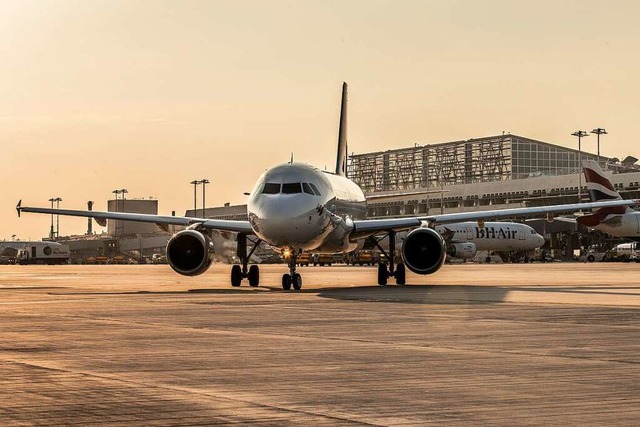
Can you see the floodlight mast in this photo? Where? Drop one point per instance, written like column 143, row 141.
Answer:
column 599, row 131
column 580, row 134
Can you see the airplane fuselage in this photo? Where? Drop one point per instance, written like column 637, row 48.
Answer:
column 493, row 236
column 625, row 225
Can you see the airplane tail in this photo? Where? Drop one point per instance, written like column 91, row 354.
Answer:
column 598, row 185
column 600, row 189
column 341, row 160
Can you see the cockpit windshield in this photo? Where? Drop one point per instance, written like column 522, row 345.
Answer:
column 271, row 188
column 314, row 188
column 290, row 188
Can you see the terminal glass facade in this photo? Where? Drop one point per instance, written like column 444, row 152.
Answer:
column 496, row 158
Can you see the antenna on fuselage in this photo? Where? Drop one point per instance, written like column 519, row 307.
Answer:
column 291, row 161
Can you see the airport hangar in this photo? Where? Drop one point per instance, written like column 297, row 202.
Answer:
column 494, row 172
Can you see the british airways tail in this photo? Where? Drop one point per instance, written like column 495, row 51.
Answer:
column 599, row 186
column 600, row 189
column 341, row 159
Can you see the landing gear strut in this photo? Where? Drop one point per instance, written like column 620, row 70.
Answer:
column 292, row 278
column 384, row 271
column 239, row 272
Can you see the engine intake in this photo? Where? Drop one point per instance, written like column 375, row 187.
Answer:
column 190, row 253
column 423, row 251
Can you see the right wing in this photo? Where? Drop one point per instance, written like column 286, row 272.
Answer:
column 162, row 221
column 368, row 227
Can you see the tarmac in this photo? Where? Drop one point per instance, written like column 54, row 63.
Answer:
column 536, row 344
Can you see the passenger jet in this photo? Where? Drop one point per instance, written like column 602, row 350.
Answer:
column 620, row 221
column 296, row 207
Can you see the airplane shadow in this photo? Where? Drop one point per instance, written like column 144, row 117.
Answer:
column 189, row 291
column 420, row 294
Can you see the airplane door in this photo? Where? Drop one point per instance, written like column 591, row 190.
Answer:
column 33, row 252
column 469, row 232
column 521, row 235
column 638, row 225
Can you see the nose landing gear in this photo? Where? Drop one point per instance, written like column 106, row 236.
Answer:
column 292, row 278
column 238, row 273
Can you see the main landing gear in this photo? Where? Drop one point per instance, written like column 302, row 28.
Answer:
column 384, row 271
column 292, row 278
column 245, row 272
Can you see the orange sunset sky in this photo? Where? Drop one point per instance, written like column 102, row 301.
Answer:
column 149, row 95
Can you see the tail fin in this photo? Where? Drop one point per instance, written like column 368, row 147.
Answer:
column 599, row 186
column 341, row 160
column 600, row 189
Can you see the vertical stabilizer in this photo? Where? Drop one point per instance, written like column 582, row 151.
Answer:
column 599, row 186
column 341, row 159
column 600, row 189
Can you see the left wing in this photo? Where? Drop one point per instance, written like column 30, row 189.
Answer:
column 365, row 228
column 162, row 221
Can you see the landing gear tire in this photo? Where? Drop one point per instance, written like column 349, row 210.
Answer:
column 296, row 281
column 401, row 275
column 286, row 282
column 382, row 274
column 236, row 275
column 254, row 275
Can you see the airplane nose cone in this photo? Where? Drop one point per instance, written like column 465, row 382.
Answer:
column 540, row 240
column 287, row 220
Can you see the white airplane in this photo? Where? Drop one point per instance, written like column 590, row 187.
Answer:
column 621, row 221
column 296, row 207
column 465, row 239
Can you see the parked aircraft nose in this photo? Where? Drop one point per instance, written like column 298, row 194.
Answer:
column 540, row 240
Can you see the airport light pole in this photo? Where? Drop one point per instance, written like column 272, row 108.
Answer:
column 116, row 192
column 580, row 134
column 123, row 192
column 51, row 232
column 204, row 182
column 57, row 200
column 599, row 131
column 195, row 196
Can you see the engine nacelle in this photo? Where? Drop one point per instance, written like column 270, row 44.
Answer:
column 466, row 250
column 190, row 253
column 423, row 251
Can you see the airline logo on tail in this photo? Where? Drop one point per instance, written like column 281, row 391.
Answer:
column 600, row 189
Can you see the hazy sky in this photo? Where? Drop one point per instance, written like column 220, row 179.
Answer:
column 149, row 95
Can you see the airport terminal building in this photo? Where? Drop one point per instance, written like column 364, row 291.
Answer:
column 485, row 173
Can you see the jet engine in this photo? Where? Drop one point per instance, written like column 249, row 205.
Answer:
column 190, row 253
column 465, row 250
column 423, row 251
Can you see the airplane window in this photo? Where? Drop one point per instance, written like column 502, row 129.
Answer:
column 307, row 189
column 291, row 188
column 314, row 188
column 271, row 188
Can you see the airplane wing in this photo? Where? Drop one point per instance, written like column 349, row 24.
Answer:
column 365, row 228
column 161, row 220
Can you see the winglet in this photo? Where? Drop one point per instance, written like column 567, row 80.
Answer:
column 341, row 160
column 19, row 207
